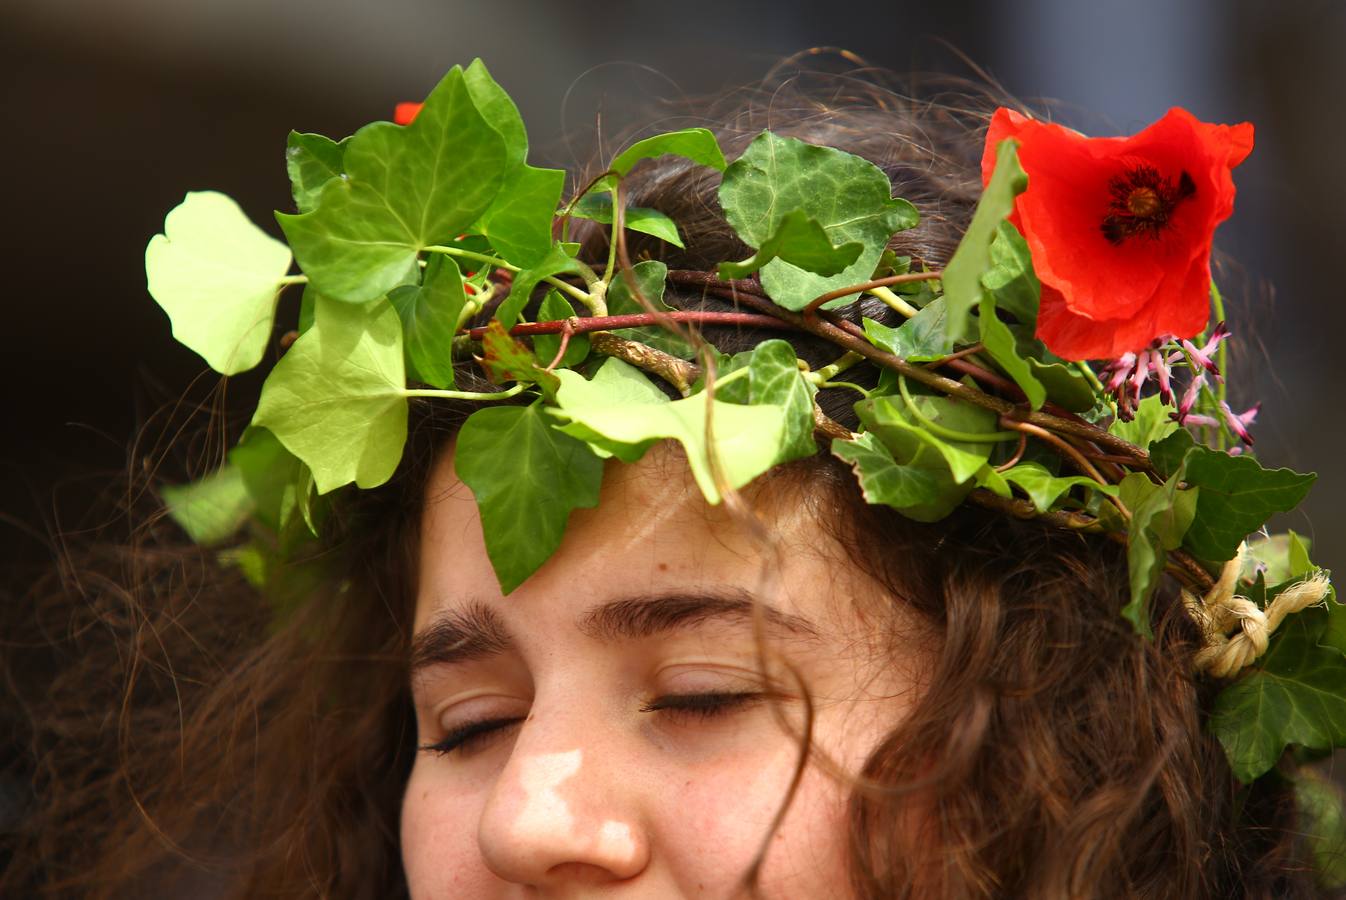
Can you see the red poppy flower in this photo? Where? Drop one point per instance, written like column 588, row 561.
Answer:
column 1120, row 227
column 405, row 112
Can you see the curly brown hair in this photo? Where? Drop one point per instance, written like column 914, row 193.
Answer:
column 181, row 735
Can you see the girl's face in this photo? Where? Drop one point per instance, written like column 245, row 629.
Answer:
column 604, row 729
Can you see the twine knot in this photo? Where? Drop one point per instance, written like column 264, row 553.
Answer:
column 1221, row 610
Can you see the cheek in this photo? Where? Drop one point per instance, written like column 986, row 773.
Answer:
column 440, row 853
column 714, row 829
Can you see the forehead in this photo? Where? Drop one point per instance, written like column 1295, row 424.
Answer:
column 651, row 532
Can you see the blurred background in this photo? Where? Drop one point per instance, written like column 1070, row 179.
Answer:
column 115, row 110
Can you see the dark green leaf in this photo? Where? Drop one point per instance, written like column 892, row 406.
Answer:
column 1237, row 494
column 1167, row 453
column 1065, row 384
column 1322, row 822
column 218, row 276
column 598, row 207
column 337, row 398
column 912, row 442
column 972, row 260
column 1160, row 515
column 406, row 188
column 850, row 197
column 919, row 339
column 1001, row 346
column 1294, row 696
column 312, row 160
column 774, row 378
column 556, row 308
column 650, row 277
column 1011, row 279
column 799, row 241
column 429, row 313
column 1042, row 487
column 917, row 493
column 526, row 477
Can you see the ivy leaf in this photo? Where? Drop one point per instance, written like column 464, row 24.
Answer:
column 525, row 503
column 1001, row 346
column 972, row 260
column 272, row 476
column 912, row 442
column 337, row 399
column 555, row 262
column 1168, row 452
column 748, row 439
column 915, row 492
column 1294, row 696
column 1150, row 424
column 1042, row 487
column 518, row 222
column 1160, row 516
column 850, row 197
column 429, row 313
column 1283, row 557
column 774, row 377
column 506, row 359
column 921, row 338
column 1011, row 280
column 616, row 383
column 312, row 160
column 556, row 308
column 800, row 241
column 598, row 208
column 406, row 187
column 697, row 144
column 650, row 277
column 1237, row 494
column 212, row 509
column 1322, row 822
column 217, row 275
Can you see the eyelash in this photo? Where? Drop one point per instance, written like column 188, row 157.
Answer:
column 475, row 735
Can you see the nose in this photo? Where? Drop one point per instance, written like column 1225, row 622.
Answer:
column 563, row 810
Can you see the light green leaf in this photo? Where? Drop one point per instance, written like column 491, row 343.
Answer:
column 972, row 260
column 217, row 275
column 1322, row 823
column 337, row 399
column 650, row 277
column 920, row 494
column 598, row 208
column 555, row 262
column 518, row 223
column 429, row 312
column 748, row 439
column 1042, row 487
column 556, row 308
column 1160, row 516
column 526, row 477
column 1001, row 346
column 850, row 197
column 696, row 144
column 312, row 160
column 1282, row 556
column 271, row 475
column 1151, row 423
column 210, row 510
column 406, row 188
column 919, row 339
column 1294, row 696
column 800, row 241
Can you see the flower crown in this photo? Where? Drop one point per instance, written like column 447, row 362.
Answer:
column 1079, row 249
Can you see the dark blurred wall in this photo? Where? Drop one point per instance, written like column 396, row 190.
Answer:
column 115, row 110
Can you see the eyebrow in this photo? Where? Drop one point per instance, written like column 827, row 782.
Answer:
column 475, row 631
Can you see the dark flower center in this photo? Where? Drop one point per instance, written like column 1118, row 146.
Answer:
column 1141, row 202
